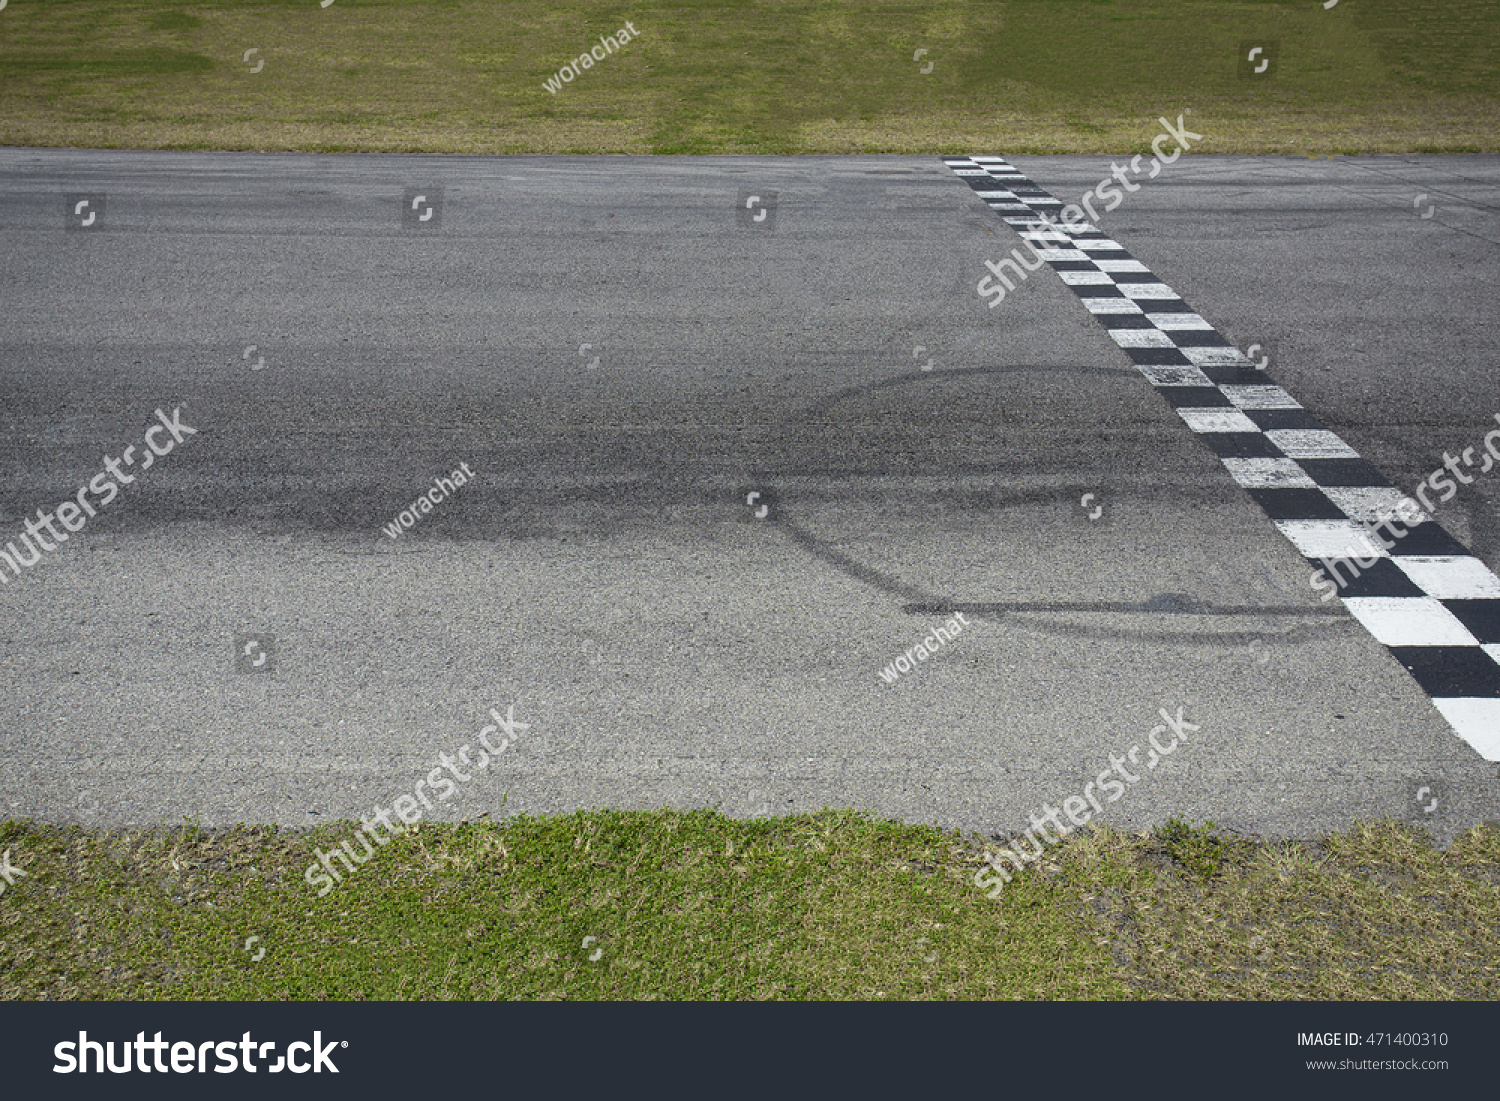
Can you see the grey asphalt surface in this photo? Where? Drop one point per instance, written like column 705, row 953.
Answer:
column 603, row 572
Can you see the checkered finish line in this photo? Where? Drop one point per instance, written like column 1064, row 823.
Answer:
column 1424, row 597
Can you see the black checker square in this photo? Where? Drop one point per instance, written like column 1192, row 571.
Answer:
column 1159, row 357
column 1451, row 671
column 1296, row 504
column 1194, row 397
column 1271, row 419
column 1233, row 374
column 1096, row 290
column 1343, row 472
column 1352, row 579
column 1481, row 617
column 1428, row 539
column 1241, row 445
column 1196, row 338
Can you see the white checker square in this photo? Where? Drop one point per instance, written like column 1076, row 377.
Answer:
column 1450, row 577
column 1268, row 474
column 1147, row 290
column 1086, row 278
column 1493, row 650
column 1476, row 721
column 1331, row 539
column 1310, row 443
column 995, row 194
column 1217, row 420
column 1217, row 357
column 1409, row 621
column 1120, row 265
column 1109, row 305
column 1373, row 504
column 1098, row 244
column 1141, row 338
column 1259, row 397
column 1175, row 321
column 1061, row 254
column 1159, row 375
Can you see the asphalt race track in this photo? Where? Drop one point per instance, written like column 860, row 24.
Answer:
column 741, row 433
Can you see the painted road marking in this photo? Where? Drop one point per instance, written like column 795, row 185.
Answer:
column 1426, row 598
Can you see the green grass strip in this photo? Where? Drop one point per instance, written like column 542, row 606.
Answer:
column 668, row 905
column 767, row 77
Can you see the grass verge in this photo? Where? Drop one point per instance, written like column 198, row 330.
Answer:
column 766, row 77
column 647, row 905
